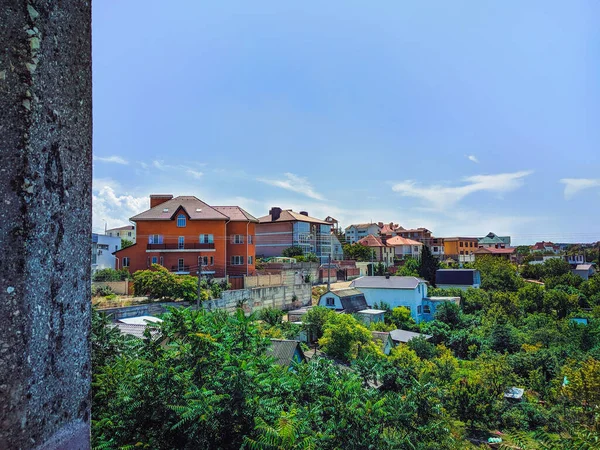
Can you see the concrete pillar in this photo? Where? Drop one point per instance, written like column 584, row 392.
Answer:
column 45, row 223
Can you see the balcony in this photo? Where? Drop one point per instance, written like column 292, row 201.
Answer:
column 175, row 246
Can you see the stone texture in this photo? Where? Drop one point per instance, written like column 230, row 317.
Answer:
column 45, row 223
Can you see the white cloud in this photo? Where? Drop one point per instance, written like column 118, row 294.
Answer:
column 111, row 159
column 444, row 196
column 574, row 185
column 294, row 183
column 473, row 158
column 194, row 173
column 115, row 209
column 159, row 165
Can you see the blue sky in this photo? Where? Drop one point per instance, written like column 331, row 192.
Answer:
column 463, row 117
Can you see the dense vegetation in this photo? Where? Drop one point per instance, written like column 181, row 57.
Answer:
column 205, row 381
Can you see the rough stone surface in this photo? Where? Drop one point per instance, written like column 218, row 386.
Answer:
column 45, row 223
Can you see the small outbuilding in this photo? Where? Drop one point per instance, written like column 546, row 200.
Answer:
column 403, row 336
column 384, row 340
column 585, row 271
column 457, row 278
column 286, row 352
column 348, row 301
column 369, row 316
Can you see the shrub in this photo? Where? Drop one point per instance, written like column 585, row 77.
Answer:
column 110, row 275
column 101, row 291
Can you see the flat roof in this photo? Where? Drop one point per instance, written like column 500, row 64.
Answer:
column 140, row 320
column 371, row 311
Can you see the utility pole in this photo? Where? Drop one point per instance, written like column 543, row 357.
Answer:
column 199, row 280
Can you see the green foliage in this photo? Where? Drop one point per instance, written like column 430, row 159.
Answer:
column 449, row 313
column 498, row 274
column 315, row 319
column 126, row 243
column 428, row 265
column 101, row 291
column 357, row 252
column 422, row 347
column 344, row 338
column 409, row 269
column 272, row 316
column 292, row 252
column 160, row 283
column 110, row 275
column 401, row 318
column 309, row 257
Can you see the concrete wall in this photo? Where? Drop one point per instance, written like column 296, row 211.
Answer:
column 118, row 287
column 280, row 297
column 45, row 224
column 146, row 309
column 263, row 280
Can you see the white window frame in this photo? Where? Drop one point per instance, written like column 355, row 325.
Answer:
column 126, row 261
column 155, row 239
column 330, row 301
column 180, row 265
column 237, row 260
column 249, row 239
column 154, row 260
column 181, row 242
column 426, row 309
column 238, row 238
column 181, row 221
column 206, row 239
column 250, row 258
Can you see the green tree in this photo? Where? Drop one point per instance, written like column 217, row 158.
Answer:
column 498, row 274
column 410, row 268
column 271, row 316
column 428, row 265
column 357, row 252
column 110, row 275
column 401, row 318
column 292, row 252
column 344, row 338
column 315, row 319
column 449, row 313
column 422, row 347
column 126, row 243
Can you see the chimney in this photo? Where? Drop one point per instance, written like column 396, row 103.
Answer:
column 304, row 213
column 275, row 212
column 380, row 224
column 157, row 199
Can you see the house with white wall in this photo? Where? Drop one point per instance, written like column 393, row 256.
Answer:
column 410, row 292
column 125, row 232
column 356, row 232
column 405, row 248
column 102, row 251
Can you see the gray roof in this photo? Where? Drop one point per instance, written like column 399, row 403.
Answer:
column 583, row 267
column 196, row 210
column 405, row 336
column 346, row 292
column 382, row 336
column 382, row 282
column 236, row 214
column 372, row 311
column 287, row 215
column 283, row 351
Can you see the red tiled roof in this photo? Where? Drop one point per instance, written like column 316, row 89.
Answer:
column 494, row 250
column 371, row 241
column 398, row 240
column 195, row 209
column 236, row 214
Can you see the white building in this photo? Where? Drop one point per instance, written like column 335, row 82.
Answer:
column 102, row 251
column 356, row 232
column 126, row 232
column 404, row 247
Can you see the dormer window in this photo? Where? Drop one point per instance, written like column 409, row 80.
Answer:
column 165, row 210
column 181, row 220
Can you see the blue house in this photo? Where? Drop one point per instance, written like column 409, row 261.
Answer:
column 410, row 292
column 457, row 278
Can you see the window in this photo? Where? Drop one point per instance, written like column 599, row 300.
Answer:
column 250, row 259
column 155, row 239
column 426, row 309
column 129, row 233
column 162, row 261
column 207, row 239
column 460, row 244
column 462, row 252
column 419, row 309
column 249, row 239
column 117, row 234
column 181, row 220
column 154, row 260
column 238, row 239
column 435, row 249
column 330, row 301
column 181, row 242
column 180, row 265
column 237, row 260
column 126, row 262
column 206, row 261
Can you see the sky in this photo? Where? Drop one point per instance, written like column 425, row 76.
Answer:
column 463, row 117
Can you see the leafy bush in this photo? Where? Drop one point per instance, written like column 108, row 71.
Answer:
column 101, row 291
column 272, row 316
column 110, row 275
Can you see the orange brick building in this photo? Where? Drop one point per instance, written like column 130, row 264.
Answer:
column 184, row 234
